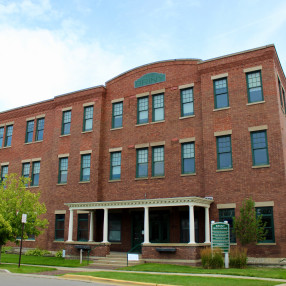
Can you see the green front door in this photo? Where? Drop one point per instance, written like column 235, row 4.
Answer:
column 137, row 230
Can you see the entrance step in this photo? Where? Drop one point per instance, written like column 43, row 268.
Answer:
column 113, row 261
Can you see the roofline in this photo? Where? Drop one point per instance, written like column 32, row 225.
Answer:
column 238, row 53
column 152, row 63
column 51, row 99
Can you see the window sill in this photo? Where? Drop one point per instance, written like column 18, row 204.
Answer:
column 139, row 179
column 59, row 241
column 222, row 108
column 261, row 166
column 28, row 143
column 115, row 242
column 224, row 170
column 114, row 181
column 5, row 147
column 61, row 184
column 64, row 135
column 84, row 182
column 142, row 124
column 185, row 117
column 233, row 243
column 154, row 122
column 266, row 243
column 158, row 177
column 116, row 128
column 257, row 102
column 33, row 187
column 88, row 131
column 191, row 174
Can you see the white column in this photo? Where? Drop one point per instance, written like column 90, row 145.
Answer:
column 91, row 226
column 146, row 225
column 207, row 225
column 192, row 224
column 105, row 225
column 70, row 226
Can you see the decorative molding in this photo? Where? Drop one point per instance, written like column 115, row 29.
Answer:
column 160, row 143
column 9, row 123
column 36, row 159
column 41, row 116
column 164, row 202
column 82, row 212
column 115, row 149
column 158, row 91
column 143, row 94
column 26, row 161
column 144, row 145
column 60, row 212
column 264, row 204
column 257, row 128
column 67, row 108
column 185, row 140
column 257, row 68
column 222, row 133
column 222, row 75
column 85, row 152
column 88, row 104
column 5, row 164
column 30, row 118
column 63, row 155
column 186, row 85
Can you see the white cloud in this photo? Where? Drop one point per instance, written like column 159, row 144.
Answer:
column 40, row 64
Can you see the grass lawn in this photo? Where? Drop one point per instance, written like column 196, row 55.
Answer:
column 41, row 260
column 25, row 269
column 178, row 280
column 249, row 271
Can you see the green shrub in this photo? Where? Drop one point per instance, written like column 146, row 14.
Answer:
column 211, row 259
column 37, row 252
column 6, row 249
column 59, row 254
column 238, row 258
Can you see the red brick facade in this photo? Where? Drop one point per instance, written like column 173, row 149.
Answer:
column 265, row 185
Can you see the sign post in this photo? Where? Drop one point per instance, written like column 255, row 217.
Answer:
column 220, row 239
column 24, row 220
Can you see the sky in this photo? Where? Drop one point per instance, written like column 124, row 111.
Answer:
column 52, row 47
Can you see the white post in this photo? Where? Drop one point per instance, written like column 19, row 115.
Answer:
column 70, row 226
column 226, row 260
column 105, row 226
column 192, row 224
column 91, row 226
column 207, row 225
column 80, row 256
column 146, row 225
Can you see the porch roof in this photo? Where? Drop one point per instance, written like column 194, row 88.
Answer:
column 162, row 202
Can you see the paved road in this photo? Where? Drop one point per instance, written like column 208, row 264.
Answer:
column 23, row 280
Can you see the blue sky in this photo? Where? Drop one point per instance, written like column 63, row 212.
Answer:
column 51, row 47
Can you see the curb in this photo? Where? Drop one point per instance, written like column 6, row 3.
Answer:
column 95, row 279
column 5, row 270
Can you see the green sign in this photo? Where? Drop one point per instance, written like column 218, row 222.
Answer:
column 150, row 78
column 220, row 236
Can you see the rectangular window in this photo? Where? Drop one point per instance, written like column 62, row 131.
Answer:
column 8, row 138
column 158, row 161
column 267, row 217
column 224, row 156
column 284, row 99
column 228, row 215
column 142, row 110
column 142, row 163
column 29, row 131
column 1, row 136
column 63, row 170
column 35, row 174
column 188, row 158
column 40, row 129
column 4, row 172
column 114, row 227
column 115, row 170
column 158, row 107
column 221, row 93
column 85, row 168
column 259, row 148
column 26, row 171
column 82, row 230
column 280, row 93
column 117, row 112
column 254, row 87
column 187, row 102
column 87, row 118
column 66, row 123
column 60, row 227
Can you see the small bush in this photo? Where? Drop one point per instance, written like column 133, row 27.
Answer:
column 6, row 249
column 238, row 258
column 37, row 252
column 59, row 254
column 212, row 259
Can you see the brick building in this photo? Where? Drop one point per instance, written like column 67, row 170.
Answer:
column 156, row 154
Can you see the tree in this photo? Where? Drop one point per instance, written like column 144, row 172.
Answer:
column 15, row 200
column 248, row 227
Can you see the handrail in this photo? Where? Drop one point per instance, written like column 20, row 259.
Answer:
column 130, row 251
